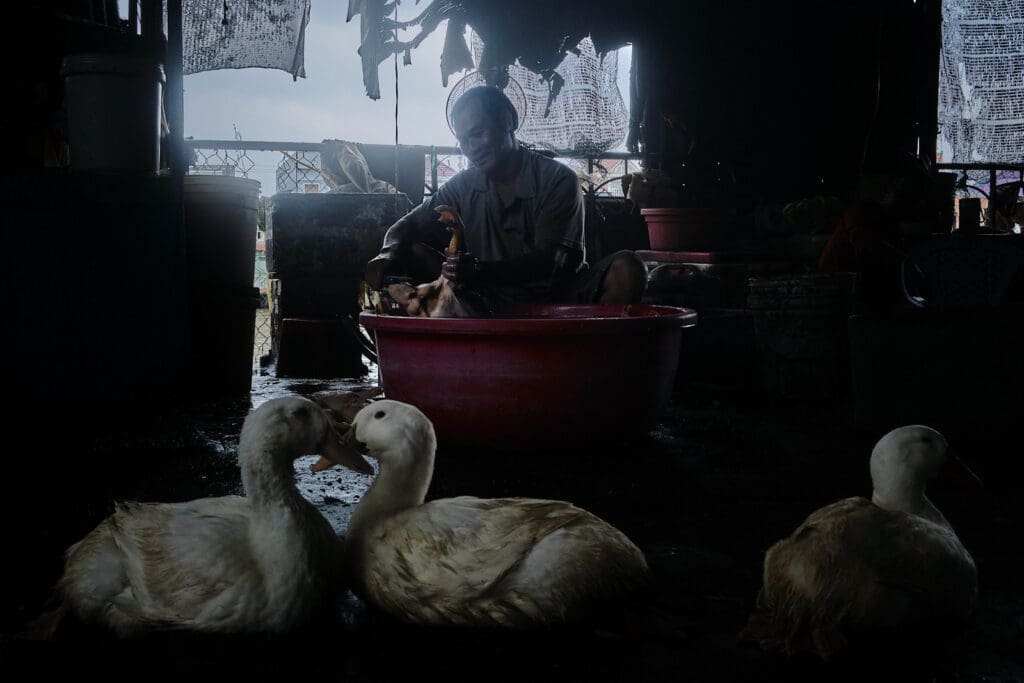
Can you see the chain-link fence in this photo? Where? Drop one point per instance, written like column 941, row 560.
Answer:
column 261, row 343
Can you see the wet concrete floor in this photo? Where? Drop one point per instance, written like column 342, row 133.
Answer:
column 720, row 478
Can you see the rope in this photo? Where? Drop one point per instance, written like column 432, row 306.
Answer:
column 395, row 185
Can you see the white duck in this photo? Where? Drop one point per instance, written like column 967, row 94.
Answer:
column 865, row 566
column 508, row 562
column 264, row 562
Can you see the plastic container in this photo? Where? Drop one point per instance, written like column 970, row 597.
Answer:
column 113, row 112
column 680, row 229
column 220, row 265
column 220, row 230
column 538, row 377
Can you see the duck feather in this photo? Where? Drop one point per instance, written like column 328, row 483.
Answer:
column 497, row 562
column 857, row 566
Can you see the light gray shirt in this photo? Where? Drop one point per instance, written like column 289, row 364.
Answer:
column 547, row 209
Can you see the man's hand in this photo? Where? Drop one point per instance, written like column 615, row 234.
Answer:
column 461, row 270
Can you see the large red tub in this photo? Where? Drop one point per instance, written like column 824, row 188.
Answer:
column 542, row 376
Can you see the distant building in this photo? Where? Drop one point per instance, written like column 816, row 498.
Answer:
column 447, row 168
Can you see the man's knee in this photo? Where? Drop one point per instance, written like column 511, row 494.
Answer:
column 625, row 279
column 630, row 267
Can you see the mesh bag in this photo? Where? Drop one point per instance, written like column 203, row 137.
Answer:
column 981, row 81
column 238, row 35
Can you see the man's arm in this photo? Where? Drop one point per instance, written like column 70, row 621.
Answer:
column 419, row 225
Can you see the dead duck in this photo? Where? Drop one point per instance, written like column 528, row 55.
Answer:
column 862, row 566
column 436, row 299
column 263, row 562
column 466, row 561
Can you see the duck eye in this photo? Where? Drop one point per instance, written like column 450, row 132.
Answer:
column 379, row 414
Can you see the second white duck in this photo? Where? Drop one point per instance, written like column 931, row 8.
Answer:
column 862, row 566
column 505, row 562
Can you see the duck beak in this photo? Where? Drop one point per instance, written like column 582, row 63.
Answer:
column 342, row 450
column 961, row 471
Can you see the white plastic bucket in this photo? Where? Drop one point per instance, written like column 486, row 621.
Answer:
column 220, row 230
column 113, row 112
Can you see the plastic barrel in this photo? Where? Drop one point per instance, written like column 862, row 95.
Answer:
column 220, row 230
column 678, row 229
column 220, row 263
column 113, row 112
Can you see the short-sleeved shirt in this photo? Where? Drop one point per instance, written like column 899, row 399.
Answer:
column 547, row 209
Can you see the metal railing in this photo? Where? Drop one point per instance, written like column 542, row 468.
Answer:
column 298, row 165
column 975, row 175
column 995, row 172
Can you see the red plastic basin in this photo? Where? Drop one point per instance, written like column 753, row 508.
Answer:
column 539, row 376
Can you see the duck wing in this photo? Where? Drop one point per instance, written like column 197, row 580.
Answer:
column 181, row 565
column 501, row 561
column 854, row 566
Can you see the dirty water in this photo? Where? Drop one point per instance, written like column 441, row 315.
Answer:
column 720, row 478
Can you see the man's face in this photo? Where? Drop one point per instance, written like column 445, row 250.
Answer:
column 487, row 142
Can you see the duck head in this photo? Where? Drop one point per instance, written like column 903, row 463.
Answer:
column 420, row 301
column 902, row 463
column 296, row 426
column 913, row 450
column 386, row 426
column 395, row 433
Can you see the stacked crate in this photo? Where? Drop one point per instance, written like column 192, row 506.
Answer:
column 317, row 249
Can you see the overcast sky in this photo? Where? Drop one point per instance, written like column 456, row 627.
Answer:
column 266, row 104
column 331, row 102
